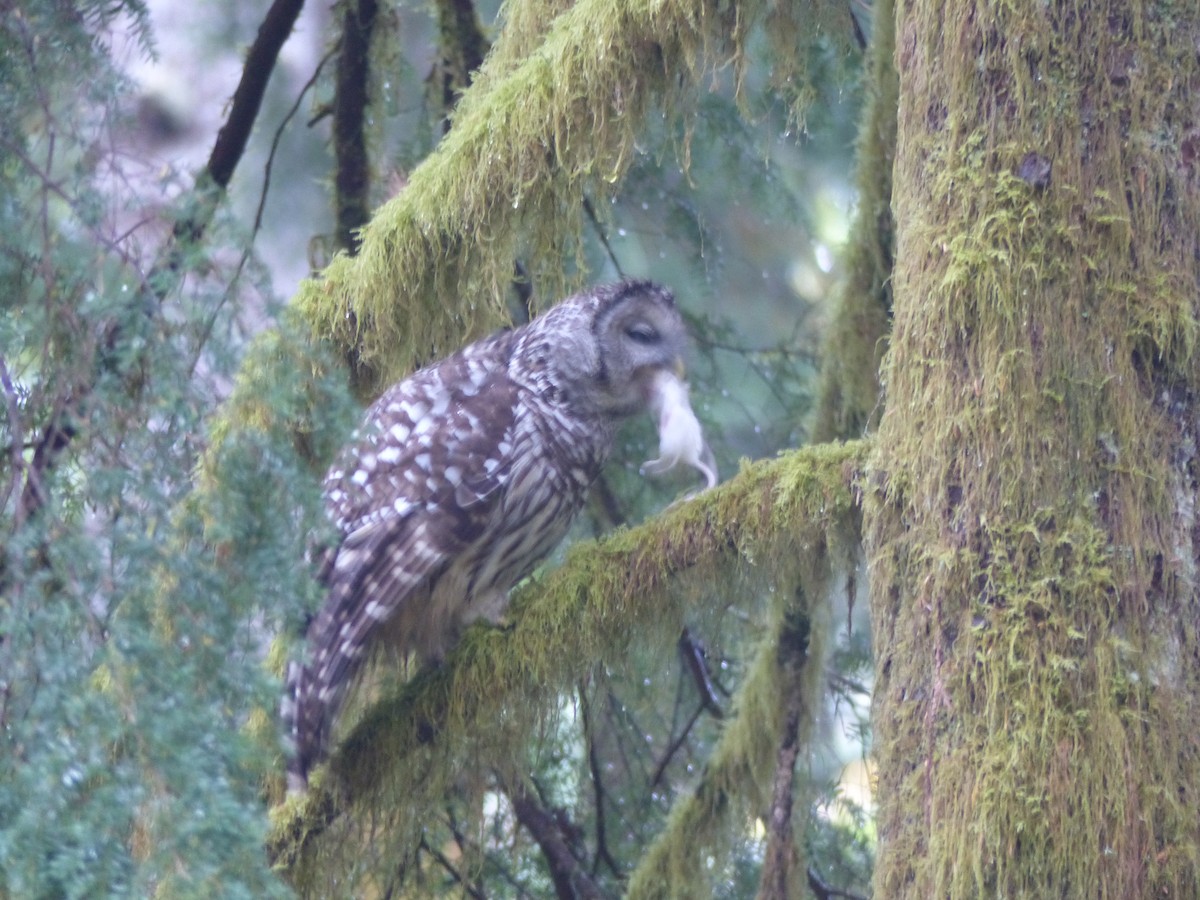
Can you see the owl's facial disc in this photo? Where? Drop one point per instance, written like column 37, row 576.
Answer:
column 680, row 439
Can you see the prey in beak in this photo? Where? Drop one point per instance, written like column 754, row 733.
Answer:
column 680, row 439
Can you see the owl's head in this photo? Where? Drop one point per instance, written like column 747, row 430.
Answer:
column 638, row 333
column 602, row 350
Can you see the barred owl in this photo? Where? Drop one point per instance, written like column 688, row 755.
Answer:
column 468, row 473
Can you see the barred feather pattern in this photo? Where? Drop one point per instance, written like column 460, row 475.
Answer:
column 463, row 478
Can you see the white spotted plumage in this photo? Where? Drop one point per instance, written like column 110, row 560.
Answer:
column 464, row 477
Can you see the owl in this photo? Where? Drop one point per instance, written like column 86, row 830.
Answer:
column 465, row 475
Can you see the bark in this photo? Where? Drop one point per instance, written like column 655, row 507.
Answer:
column 571, row 880
column 782, row 868
column 243, row 111
column 1032, row 526
column 352, row 175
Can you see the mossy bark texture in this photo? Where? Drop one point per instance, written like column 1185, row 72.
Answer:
column 849, row 402
column 1031, row 520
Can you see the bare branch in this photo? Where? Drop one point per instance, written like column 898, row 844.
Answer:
column 571, row 880
column 696, row 661
column 247, row 98
column 352, row 176
column 598, row 794
column 673, row 748
column 452, row 870
column 822, row 891
column 463, row 47
column 782, row 858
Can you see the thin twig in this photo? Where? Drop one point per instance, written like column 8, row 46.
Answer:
column 673, row 747
column 450, row 868
column 602, row 852
column 262, row 204
column 602, row 235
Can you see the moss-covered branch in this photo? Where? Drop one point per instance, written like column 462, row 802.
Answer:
column 770, row 523
column 849, row 400
column 784, row 678
column 508, row 180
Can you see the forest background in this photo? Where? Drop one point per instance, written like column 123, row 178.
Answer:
column 211, row 260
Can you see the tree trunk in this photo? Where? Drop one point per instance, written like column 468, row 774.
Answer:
column 1031, row 519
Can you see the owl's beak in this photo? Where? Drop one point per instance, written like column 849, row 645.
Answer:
column 679, row 368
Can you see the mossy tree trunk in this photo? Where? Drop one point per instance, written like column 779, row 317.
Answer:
column 1031, row 514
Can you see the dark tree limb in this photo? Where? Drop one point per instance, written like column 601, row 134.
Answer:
column 571, row 879
column 247, row 98
column 463, row 48
column 782, row 859
column 696, row 662
column 352, row 178
column 679, row 741
column 823, row 891
column 603, row 854
column 452, row 870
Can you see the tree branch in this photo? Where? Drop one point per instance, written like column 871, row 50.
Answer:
column 528, row 142
column 732, row 782
column 498, row 682
column 781, row 862
column 352, row 176
column 598, row 794
column 696, row 662
column 822, row 891
column 571, row 880
column 463, row 46
column 247, row 98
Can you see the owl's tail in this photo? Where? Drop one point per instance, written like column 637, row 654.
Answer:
column 312, row 697
column 305, row 723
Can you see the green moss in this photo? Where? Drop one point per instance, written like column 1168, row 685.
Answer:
column 1033, row 469
column 774, row 522
column 850, row 394
column 507, row 180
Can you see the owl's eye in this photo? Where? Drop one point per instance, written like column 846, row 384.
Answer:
column 643, row 333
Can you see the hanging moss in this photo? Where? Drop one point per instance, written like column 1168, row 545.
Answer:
column 509, row 177
column 537, row 133
column 1032, row 531
column 552, row 118
column 850, row 396
column 476, row 711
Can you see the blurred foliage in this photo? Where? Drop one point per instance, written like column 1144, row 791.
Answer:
column 131, row 676
column 137, row 715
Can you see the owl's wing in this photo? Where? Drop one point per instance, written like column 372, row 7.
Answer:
column 410, row 497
